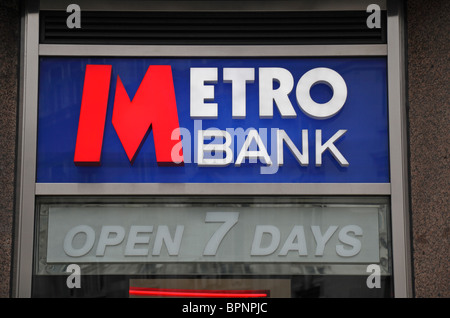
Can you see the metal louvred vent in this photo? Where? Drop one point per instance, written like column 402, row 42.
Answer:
column 212, row 28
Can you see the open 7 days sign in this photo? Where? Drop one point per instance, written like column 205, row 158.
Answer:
column 201, row 234
column 213, row 120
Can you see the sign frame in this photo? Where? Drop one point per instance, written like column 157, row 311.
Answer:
column 28, row 190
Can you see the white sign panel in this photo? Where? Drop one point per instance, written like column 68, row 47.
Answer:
column 181, row 233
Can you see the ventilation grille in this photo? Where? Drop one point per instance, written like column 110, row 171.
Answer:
column 212, row 28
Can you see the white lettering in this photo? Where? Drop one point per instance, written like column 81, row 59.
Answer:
column 321, row 240
column 218, row 149
column 200, row 93
column 118, row 234
column 163, row 236
column 280, row 96
column 329, row 144
column 255, row 308
column 321, row 75
column 252, row 147
column 86, row 247
column 238, row 77
column 199, row 308
column 275, row 236
column 297, row 234
column 302, row 158
column 268, row 240
column 260, row 154
column 349, row 240
column 229, row 219
column 134, row 239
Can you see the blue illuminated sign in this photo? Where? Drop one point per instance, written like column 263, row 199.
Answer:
column 295, row 120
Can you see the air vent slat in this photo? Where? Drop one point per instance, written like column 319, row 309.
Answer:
column 212, row 33
column 218, row 28
column 154, row 28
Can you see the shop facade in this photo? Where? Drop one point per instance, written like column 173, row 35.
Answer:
column 164, row 150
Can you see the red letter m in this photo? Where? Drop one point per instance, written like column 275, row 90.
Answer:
column 152, row 108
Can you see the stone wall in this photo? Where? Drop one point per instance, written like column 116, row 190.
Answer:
column 9, row 69
column 428, row 47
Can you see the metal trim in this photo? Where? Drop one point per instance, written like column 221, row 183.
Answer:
column 213, row 5
column 26, row 168
column 398, row 151
column 212, row 189
column 214, row 50
column 27, row 189
column 212, row 28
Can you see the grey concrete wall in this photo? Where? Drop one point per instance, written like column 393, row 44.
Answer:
column 428, row 28
column 9, row 62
